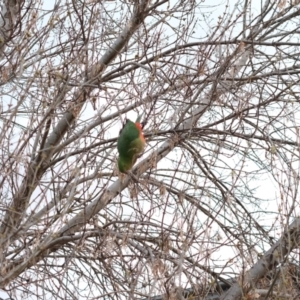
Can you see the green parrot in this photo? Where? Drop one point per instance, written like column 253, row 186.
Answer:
column 131, row 144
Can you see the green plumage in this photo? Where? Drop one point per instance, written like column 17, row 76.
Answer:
column 131, row 144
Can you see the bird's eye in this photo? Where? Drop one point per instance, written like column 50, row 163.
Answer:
column 143, row 124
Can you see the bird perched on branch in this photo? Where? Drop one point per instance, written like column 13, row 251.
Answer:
column 131, row 144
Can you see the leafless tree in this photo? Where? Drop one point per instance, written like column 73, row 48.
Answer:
column 214, row 198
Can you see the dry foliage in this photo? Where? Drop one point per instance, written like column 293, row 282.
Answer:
column 217, row 186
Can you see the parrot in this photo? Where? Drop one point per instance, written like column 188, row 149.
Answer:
column 131, row 144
